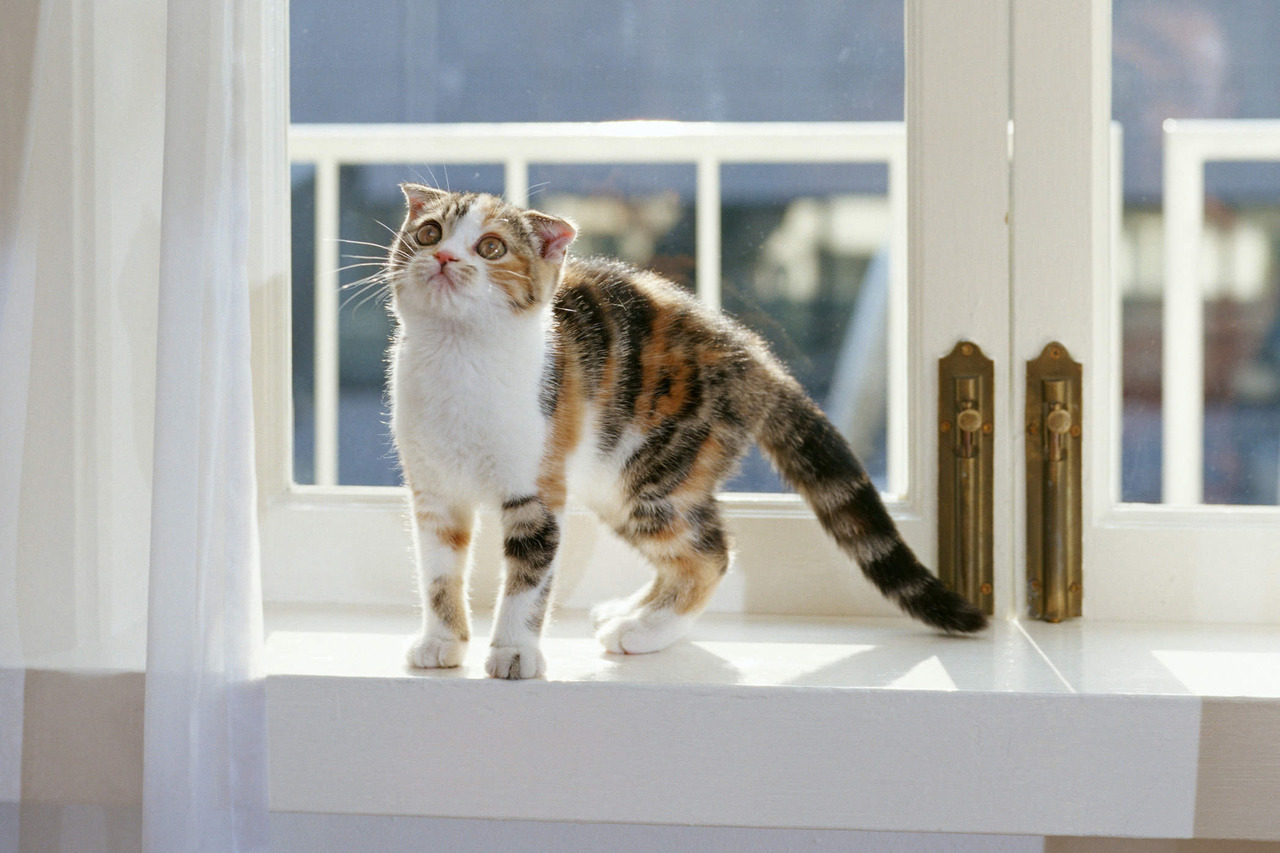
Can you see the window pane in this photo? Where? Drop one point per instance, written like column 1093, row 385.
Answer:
column 805, row 264
column 639, row 213
column 303, row 214
column 1201, row 59
column 587, row 60
column 799, row 244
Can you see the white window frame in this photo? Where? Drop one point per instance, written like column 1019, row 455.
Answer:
column 968, row 277
column 1173, row 563
column 349, row 544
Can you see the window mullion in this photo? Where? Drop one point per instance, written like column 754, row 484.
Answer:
column 958, row 177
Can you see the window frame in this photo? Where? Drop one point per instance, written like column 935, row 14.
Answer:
column 970, row 276
column 1141, row 562
column 350, row 544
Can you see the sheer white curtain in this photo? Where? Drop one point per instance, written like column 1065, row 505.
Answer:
column 132, row 708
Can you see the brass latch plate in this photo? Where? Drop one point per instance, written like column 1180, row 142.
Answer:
column 1054, row 425
column 966, row 438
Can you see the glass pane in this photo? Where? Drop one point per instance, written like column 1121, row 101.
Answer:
column 503, row 61
column 799, row 244
column 1201, row 59
column 303, row 217
column 372, row 206
column 639, row 213
column 805, row 265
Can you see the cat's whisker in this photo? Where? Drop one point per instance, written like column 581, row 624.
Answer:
column 434, row 181
column 394, row 232
column 378, row 246
column 370, row 290
column 365, row 257
column 378, row 296
column 346, row 267
column 361, row 283
column 375, row 278
column 423, row 180
column 513, row 274
column 371, row 262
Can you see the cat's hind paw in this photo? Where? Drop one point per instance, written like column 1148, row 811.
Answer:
column 607, row 611
column 642, row 632
column 430, row 652
column 522, row 661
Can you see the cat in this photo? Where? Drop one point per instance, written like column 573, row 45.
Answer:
column 518, row 374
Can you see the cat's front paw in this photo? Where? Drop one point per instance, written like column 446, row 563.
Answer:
column 429, row 652
column 522, row 661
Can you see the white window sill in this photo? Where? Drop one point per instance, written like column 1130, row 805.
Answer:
column 875, row 724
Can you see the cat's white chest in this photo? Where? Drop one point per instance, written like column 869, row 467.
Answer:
column 466, row 414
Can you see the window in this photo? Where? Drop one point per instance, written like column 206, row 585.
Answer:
column 789, row 247
column 1198, row 262
column 763, row 168
column 791, row 221
column 1182, row 561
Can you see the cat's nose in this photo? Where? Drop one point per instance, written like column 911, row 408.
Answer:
column 444, row 256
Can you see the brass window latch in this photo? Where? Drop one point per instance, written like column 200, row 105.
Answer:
column 1054, row 425
column 966, row 433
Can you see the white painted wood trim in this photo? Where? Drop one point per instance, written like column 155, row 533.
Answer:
column 1077, row 729
column 898, row 426
column 325, row 296
column 836, row 759
column 958, row 238
column 269, row 261
column 1061, row 205
column 575, row 142
column 1200, row 564
column 1188, row 146
column 707, row 236
column 1182, row 368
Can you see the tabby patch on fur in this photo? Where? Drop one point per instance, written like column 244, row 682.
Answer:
column 519, row 375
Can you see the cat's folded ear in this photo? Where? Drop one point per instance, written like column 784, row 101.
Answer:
column 555, row 233
column 418, row 196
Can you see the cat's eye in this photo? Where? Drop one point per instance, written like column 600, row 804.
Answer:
column 491, row 248
column 429, row 234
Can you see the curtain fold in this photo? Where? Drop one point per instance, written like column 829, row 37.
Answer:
column 132, row 700
column 205, row 705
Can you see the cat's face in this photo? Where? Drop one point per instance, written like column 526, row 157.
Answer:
column 471, row 256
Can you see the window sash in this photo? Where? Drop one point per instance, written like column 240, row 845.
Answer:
column 966, row 278
column 350, row 544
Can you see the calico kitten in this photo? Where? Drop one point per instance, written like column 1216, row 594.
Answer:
column 518, row 375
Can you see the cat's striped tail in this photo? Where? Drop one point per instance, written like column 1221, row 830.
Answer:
column 817, row 462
